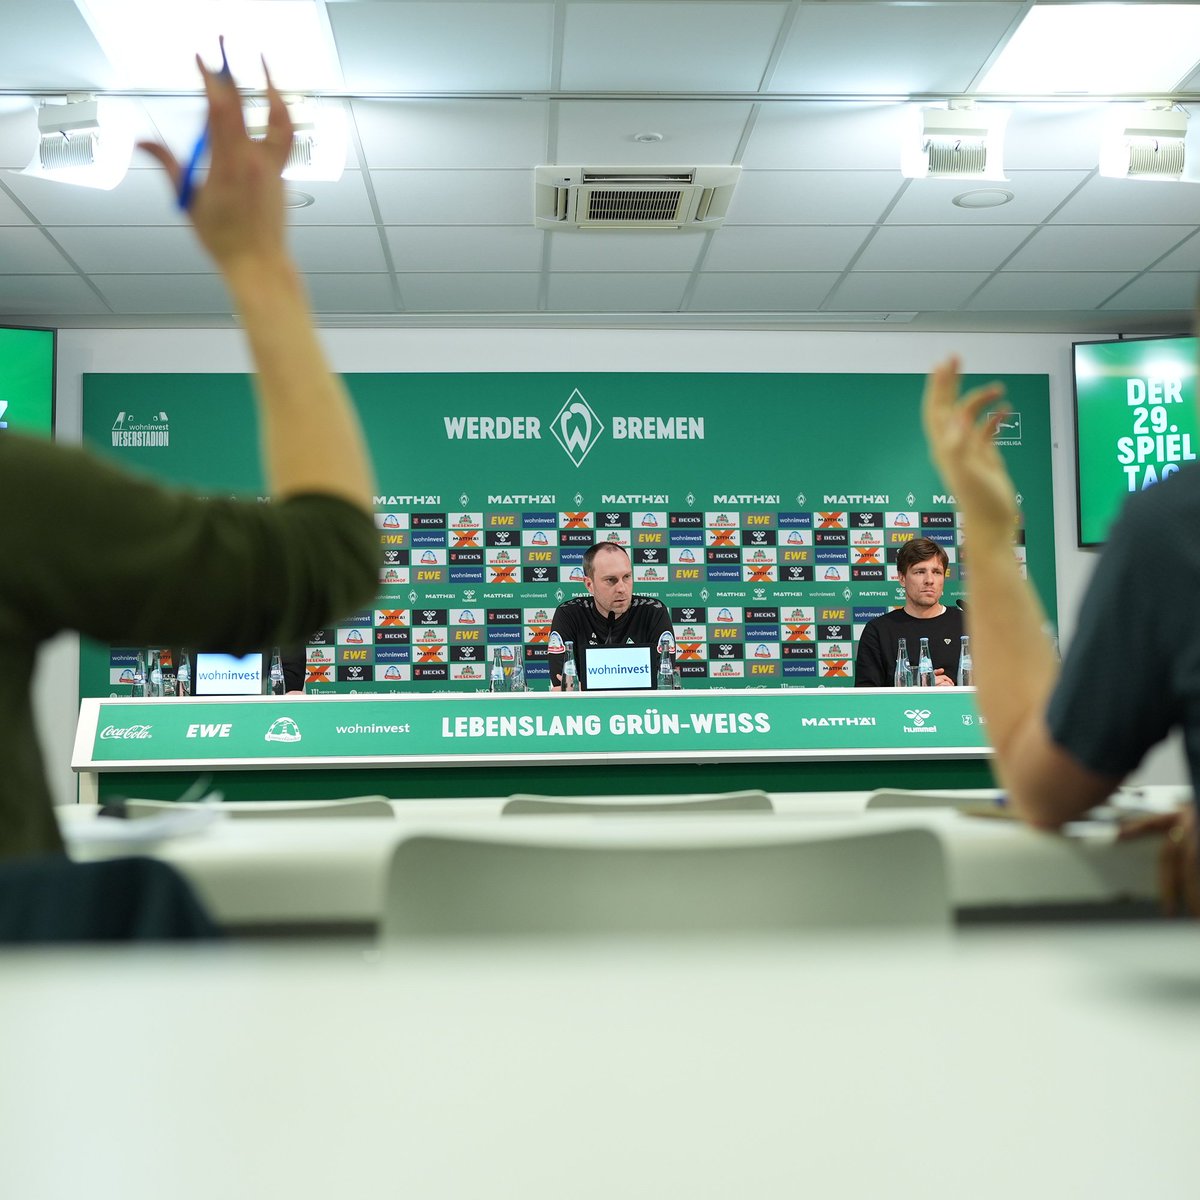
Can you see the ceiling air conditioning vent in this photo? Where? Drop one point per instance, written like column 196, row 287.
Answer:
column 632, row 197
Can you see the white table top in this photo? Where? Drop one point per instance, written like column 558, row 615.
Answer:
column 333, row 871
column 1044, row 1063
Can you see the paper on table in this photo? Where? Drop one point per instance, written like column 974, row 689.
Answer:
column 109, row 831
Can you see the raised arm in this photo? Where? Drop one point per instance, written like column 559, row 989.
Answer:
column 1015, row 665
column 238, row 215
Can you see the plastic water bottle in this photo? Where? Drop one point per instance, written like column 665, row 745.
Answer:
column 903, row 675
column 924, row 666
column 496, row 677
column 183, row 677
column 154, row 678
column 966, row 670
column 570, row 676
column 278, row 686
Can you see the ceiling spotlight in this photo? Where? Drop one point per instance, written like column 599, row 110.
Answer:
column 319, row 141
column 1146, row 142
column 959, row 141
column 85, row 141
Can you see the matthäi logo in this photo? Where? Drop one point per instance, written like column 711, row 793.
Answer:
column 576, row 427
column 127, row 430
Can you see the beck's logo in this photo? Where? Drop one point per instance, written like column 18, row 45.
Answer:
column 576, row 427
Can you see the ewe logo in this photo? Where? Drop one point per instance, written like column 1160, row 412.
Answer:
column 576, row 427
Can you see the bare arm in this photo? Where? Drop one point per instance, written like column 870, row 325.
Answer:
column 1015, row 666
column 238, row 215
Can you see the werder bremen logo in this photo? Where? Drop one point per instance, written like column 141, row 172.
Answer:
column 577, row 427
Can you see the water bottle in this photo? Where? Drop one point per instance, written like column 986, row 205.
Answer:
column 924, row 666
column 278, row 685
column 904, row 675
column 666, row 672
column 570, row 676
column 138, row 690
column 183, row 677
column 154, row 678
column 966, row 671
column 496, row 678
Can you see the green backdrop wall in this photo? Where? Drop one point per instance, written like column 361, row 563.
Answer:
column 765, row 510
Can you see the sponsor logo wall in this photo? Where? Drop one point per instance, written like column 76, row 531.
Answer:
column 765, row 511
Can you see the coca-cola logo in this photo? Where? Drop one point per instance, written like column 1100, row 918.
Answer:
column 111, row 732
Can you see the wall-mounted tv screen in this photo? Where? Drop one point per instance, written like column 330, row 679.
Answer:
column 1135, row 422
column 27, row 380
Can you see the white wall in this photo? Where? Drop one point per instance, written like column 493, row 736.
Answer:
column 82, row 351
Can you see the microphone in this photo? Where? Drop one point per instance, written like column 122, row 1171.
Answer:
column 962, row 604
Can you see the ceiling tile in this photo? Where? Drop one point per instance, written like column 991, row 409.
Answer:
column 334, row 293
column 142, row 198
column 455, row 248
column 338, row 248
column 47, row 295
column 832, row 137
column 601, row 132
column 455, row 197
column 1184, row 258
column 817, row 197
column 936, row 291
column 342, row 203
column 1035, row 195
column 1097, row 248
column 10, row 212
column 920, row 247
column 18, row 133
column 639, row 250
column 436, row 133
column 448, row 292
column 784, row 248
column 890, row 48
column 1020, row 290
column 712, row 46
column 448, row 46
column 29, row 251
column 115, row 250
column 171, row 293
column 1158, row 290
column 29, row 55
column 1053, row 136
column 760, row 291
column 1103, row 201
column 598, row 292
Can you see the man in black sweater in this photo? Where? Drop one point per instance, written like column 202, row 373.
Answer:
column 921, row 565
column 610, row 615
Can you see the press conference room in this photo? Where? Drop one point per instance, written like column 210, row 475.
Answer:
column 667, row 275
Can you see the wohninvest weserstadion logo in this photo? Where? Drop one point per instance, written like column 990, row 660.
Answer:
column 127, row 430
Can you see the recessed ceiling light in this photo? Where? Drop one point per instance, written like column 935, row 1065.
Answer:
column 1098, row 48
column 297, row 199
column 983, row 198
column 648, row 137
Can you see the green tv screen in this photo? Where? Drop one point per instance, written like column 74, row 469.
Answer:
column 27, row 380
column 1135, row 423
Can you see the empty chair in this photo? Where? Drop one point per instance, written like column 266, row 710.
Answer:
column 903, row 798
column 367, row 806
column 442, row 886
column 592, row 805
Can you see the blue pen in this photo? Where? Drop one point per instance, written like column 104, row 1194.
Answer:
column 187, row 183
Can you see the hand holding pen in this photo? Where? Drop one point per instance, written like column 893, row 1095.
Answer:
column 238, row 210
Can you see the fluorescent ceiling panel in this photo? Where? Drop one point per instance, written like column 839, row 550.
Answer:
column 153, row 49
column 1098, row 48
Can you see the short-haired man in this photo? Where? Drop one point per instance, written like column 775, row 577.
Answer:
column 609, row 615
column 921, row 565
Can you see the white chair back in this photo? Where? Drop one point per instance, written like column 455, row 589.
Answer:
column 727, row 802
column 443, row 886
